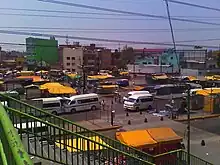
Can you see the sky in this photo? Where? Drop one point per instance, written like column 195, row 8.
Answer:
column 156, row 7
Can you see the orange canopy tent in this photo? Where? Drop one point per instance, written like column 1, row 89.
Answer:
column 164, row 135
column 57, row 88
column 143, row 139
column 148, row 138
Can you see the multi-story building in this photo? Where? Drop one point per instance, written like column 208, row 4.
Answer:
column 193, row 62
column 105, row 59
column 147, row 56
column 91, row 60
column 42, row 50
column 72, row 59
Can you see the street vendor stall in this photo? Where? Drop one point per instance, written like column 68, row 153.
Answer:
column 153, row 141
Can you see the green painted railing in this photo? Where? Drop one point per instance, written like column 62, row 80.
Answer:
column 11, row 147
column 56, row 144
column 178, row 157
column 71, row 126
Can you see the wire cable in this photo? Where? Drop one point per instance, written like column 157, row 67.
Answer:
column 125, row 12
column 79, row 17
column 97, row 39
column 94, row 13
column 127, row 30
column 194, row 5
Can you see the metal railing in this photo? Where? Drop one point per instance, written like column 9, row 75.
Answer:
column 178, row 157
column 72, row 127
column 12, row 151
column 48, row 141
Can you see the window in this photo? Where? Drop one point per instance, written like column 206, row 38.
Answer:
column 73, row 102
column 146, row 99
column 171, row 58
column 73, row 70
column 83, row 101
column 73, row 58
column 149, row 62
column 68, row 58
column 50, row 105
column 68, row 64
column 73, row 64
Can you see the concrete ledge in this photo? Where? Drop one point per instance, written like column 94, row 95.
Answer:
column 107, row 128
column 199, row 117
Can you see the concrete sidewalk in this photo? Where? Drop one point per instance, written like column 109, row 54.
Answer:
column 210, row 152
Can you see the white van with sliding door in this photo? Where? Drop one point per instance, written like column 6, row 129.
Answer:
column 134, row 93
column 83, row 102
column 53, row 104
column 139, row 102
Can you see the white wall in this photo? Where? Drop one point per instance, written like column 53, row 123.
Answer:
column 151, row 69
column 192, row 72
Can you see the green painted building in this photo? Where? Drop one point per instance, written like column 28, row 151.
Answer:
column 42, row 50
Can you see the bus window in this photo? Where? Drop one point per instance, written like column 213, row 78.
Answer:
column 51, row 105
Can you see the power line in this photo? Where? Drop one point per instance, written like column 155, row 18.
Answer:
column 125, row 12
column 97, row 32
column 194, row 5
column 95, row 13
column 86, row 17
column 108, row 29
column 98, row 39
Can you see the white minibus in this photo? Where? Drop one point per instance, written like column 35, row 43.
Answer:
column 83, row 102
column 53, row 104
column 139, row 102
column 135, row 93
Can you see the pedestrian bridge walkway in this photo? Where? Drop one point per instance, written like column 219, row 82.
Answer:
column 42, row 137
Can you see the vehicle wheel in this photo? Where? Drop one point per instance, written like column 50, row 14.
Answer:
column 73, row 110
column 93, row 108
column 149, row 108
column 137, row 109
column 54, row 112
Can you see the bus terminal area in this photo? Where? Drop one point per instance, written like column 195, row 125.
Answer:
column 113, row 105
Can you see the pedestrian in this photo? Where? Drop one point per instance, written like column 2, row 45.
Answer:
column 118, row 97
column 103, row 105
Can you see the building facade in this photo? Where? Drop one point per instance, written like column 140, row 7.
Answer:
column 105, row 59
column 72, row 59
column 194, row 62
column 147, row 56
column 157, row 57
column 42, row 50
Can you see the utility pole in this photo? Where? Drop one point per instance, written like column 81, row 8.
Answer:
column 188, row 125
column 172, row 33
column 84, row 76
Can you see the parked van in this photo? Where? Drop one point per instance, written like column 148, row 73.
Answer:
column 83, row 102
column 139, row 102
column 135, row 93
column 54, row 104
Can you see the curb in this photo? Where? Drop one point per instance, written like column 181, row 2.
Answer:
column 107, row 128
column 199, row 118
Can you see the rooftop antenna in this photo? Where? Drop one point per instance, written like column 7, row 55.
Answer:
column 67, row 40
